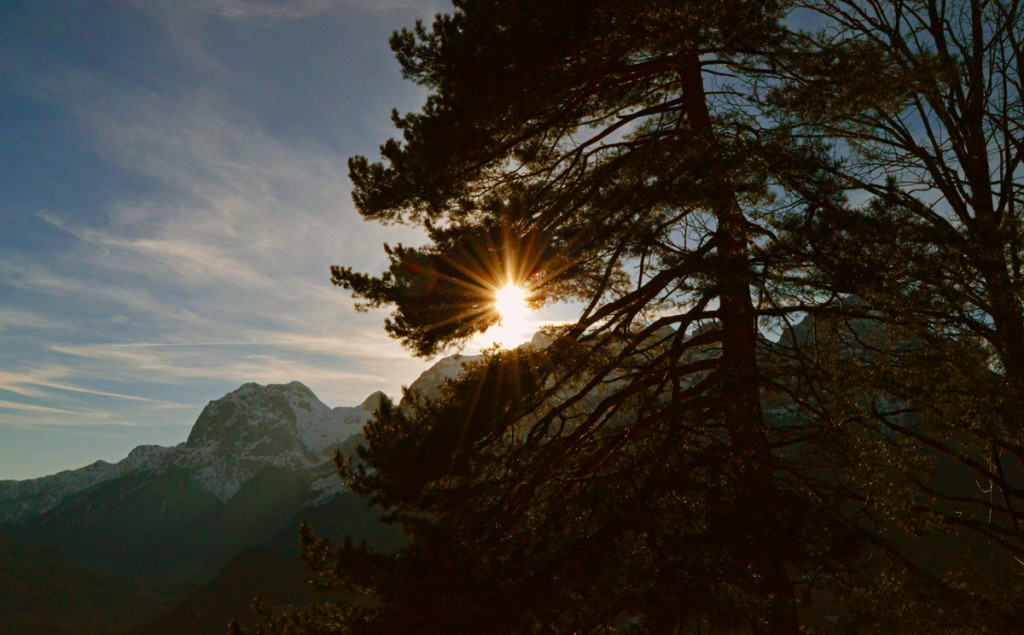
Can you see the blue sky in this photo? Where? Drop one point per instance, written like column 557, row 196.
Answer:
column 173, row 190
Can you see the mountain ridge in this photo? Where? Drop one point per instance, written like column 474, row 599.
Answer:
column 233, row 439
column 256, row 461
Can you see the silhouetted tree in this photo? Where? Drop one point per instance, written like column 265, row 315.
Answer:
column 659, row 464
column 597, row 152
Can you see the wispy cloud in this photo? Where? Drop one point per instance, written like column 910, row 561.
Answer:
column 341, row 370
column 43, row 382
column 255, row 9
column 24, row 319
column 59, row 418
column 14, row 405
column 29, row 383
column 204, row 264
column 99, row 393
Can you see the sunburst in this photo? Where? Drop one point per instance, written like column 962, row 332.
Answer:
column 514, row 312
column 485, row 274
column 510, row 301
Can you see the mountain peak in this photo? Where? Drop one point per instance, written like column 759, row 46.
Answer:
column 292, row 386
column 252, row 412
column 370, row 403
column 235, row 437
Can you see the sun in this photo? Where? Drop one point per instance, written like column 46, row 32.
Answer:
column 514, row 313
column 510, row 301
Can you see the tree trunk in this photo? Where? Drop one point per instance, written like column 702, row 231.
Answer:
column 768, row 591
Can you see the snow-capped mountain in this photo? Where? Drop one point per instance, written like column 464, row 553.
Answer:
column 235, row 437
column 428, row 384
column 256, row 463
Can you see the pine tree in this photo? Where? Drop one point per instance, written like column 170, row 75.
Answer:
column 599, row 152
column 658, row 465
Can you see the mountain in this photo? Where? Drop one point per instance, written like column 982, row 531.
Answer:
column 191, row 531
column 253, row 459
column 235, row 437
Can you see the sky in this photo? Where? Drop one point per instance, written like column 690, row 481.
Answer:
column 173, row 191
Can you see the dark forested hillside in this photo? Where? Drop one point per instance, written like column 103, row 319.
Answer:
column 42, row 593
column 273, row 570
